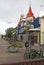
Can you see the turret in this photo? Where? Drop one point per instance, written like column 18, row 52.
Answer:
column 30, row 15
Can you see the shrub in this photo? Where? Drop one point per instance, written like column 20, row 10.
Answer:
column 19, row 45
column 16, row 44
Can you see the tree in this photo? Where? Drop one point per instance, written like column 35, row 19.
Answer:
column 15, row 33
column 9, row 32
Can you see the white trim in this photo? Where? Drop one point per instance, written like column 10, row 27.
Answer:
column 36, row 29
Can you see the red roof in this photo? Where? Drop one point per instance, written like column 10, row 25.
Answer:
column 30, row 13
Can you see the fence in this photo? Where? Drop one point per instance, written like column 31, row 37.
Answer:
column 39, row 61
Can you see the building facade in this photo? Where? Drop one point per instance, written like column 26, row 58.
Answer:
column 31, row 29
column 42, row 29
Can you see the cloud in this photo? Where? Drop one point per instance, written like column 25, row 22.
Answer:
column 10, row 11
column 4, row 25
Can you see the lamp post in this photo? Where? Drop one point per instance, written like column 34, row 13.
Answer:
column 26, row 54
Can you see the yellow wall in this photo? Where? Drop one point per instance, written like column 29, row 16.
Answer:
column 42, row 29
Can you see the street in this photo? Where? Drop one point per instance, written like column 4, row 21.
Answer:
column 6, row 57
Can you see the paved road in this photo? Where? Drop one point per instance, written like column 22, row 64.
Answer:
column 3, row 46
column 6, row 57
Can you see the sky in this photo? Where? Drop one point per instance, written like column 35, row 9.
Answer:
column 10, row 11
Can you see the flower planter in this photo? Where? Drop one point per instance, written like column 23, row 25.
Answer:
column 13, row 49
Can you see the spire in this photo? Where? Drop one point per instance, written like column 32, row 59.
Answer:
column 30, row 13
column 20, row 21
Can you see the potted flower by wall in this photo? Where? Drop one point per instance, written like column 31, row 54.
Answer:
column 13, row 48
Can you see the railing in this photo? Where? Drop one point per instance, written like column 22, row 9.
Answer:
column 39, row 61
